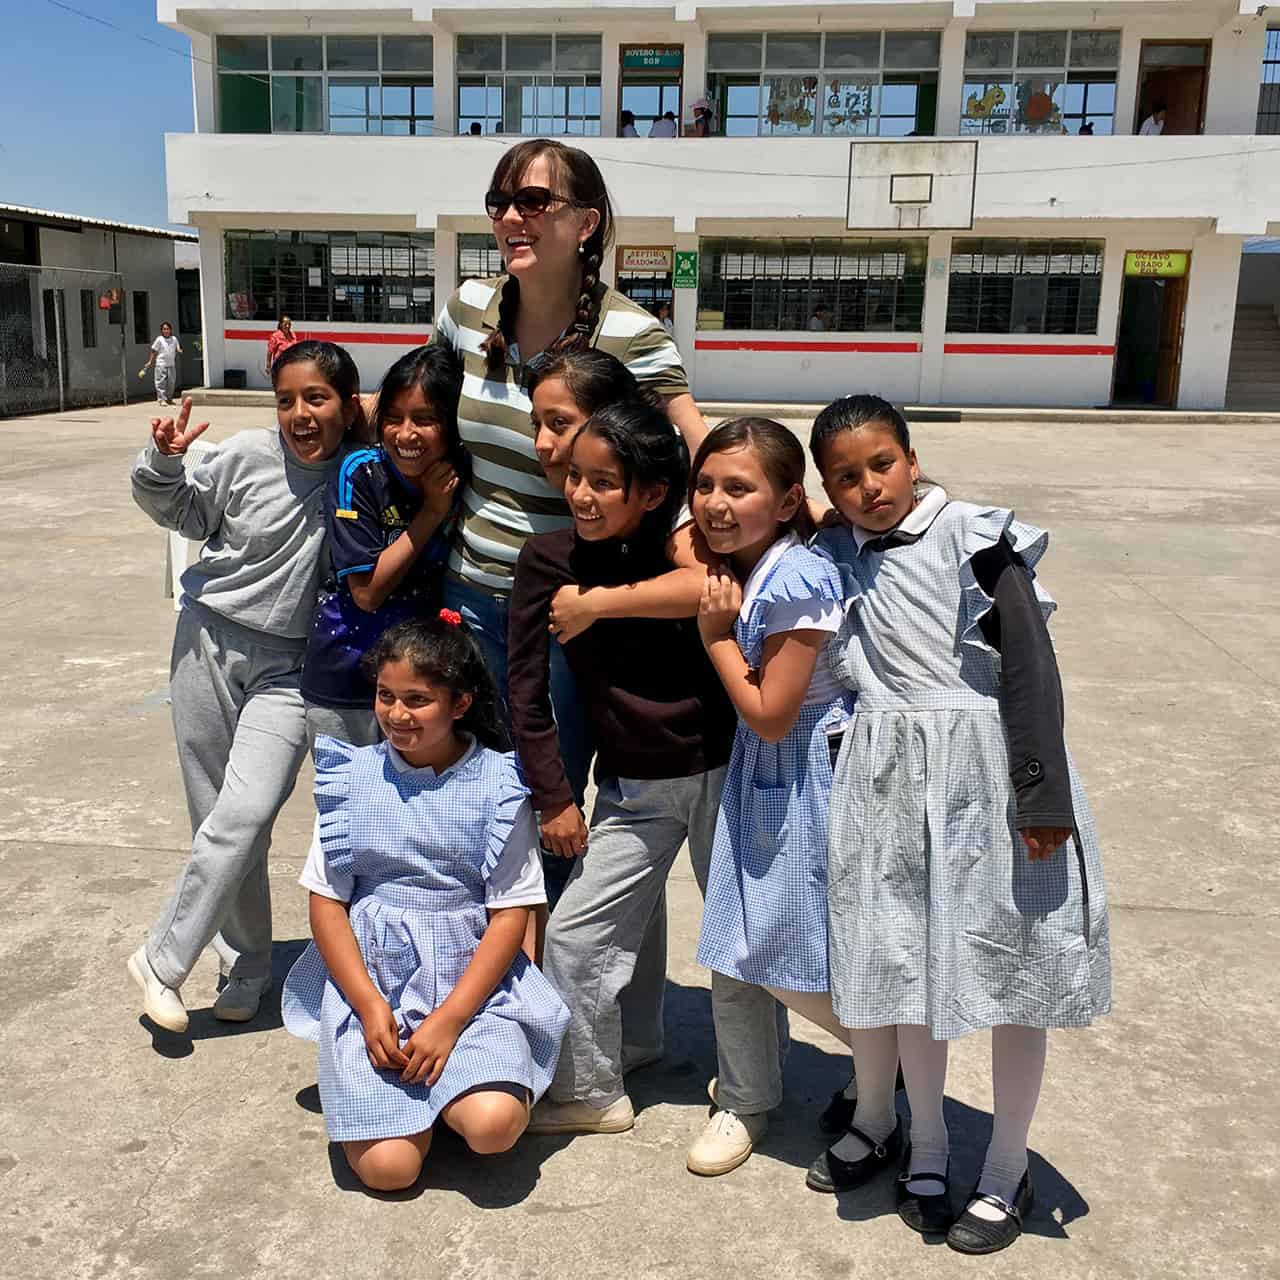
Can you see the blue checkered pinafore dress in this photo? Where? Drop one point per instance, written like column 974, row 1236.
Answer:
column 421, row 846
column 765, row 915
column 938, row 918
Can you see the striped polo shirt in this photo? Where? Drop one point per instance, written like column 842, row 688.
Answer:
column 508, row 498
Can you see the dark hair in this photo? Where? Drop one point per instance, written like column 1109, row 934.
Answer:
column 163, row 323
column 780, row 453
column 284, row 315
column 579, row 178
column 851, row 412
column 649, row 450
column 333, row 361
column 626, row 117
column 1158, row 108
column 438, row 372
column 447, row 654
column 594, row 377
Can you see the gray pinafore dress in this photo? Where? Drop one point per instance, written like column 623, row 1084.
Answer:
column 421, row 846
column 937, row 916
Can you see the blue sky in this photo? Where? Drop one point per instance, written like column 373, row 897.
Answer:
column 84, row 109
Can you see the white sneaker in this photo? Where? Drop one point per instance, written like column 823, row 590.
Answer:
column 725, row 1143
column 163, row 1005
column 238, row 1001
column 581, row 1117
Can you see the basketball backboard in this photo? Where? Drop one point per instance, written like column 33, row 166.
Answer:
column 911, row 184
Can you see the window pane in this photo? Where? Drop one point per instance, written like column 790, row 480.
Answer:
column 479, row 53
column 1095, row 48
column 352, row 53
column 849, row 105
column 742, row 108
column 733, row 52
column 1042, row 48
column 861, row 51
column 88, row 319
column 986, row 107
column 407, row 53
column 296, row 53
column 784, row 50
column 296, row 104
column 792, row 104
column 577, row 53
column 244, row 104
column 397, row 99
column 1039, row 107
column 911, row 48
column 985, row 50
column 528, row 53
column 1173, row 55
column 242, row 53
column 354, row 104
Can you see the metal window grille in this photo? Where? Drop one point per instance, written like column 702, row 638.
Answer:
column 1269, row 90
column 478, row 257
column 530, row 85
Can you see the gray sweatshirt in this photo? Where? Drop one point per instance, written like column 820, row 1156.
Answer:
column 260, row 513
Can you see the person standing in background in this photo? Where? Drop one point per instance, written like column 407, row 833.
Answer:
column 703, row 119
column 1153, row 125
column 664, row 126
column 281, row 339
column 663, row 313
column 627, row 119
column 164, row 355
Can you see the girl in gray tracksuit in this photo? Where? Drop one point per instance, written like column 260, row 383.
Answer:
column 257, row 504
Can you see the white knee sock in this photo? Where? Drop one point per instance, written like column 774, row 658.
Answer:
column 875, row 1059
column 924, row 1069
column 1017, row 1068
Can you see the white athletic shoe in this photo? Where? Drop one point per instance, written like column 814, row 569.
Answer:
column 163, row 1005
column 581, row 1117
column 238, row 1001
column 725, row 1143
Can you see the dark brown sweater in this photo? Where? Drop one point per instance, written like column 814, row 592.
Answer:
column 656, row 706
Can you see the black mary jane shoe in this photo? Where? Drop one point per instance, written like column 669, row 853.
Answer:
column 928, row 1214
column 830, row 1173
column 971, row 1234
column 838, row 1116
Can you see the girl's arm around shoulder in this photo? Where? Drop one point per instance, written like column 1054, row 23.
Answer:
column 189, row 502
column 671, row 595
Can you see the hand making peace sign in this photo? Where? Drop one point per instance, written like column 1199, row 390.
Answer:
column 173, row 437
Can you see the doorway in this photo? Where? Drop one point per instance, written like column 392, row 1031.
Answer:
column 649, row 86
column 1174, row 74
column 1149, row 340
column 644, row 275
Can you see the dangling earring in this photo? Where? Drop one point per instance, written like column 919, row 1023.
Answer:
column 580, row 248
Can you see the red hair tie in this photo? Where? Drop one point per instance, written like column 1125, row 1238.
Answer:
column 453, row 618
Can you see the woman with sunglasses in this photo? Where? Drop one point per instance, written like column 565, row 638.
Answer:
column 553, row 223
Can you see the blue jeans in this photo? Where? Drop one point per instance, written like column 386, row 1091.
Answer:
column 486, row 615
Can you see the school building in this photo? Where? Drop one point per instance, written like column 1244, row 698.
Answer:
column 952, row 203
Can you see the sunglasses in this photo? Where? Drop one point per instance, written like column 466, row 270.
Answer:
column 529, row 202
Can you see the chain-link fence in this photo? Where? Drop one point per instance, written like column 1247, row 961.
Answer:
column 62, row 339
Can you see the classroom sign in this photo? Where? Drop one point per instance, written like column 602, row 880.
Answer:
column 1166, row 263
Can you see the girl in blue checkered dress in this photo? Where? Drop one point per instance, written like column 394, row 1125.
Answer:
column 422, row 878
column 765, row 620
column 965, row 878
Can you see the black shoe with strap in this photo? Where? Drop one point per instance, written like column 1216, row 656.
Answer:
column 830, row 1173
column 929, row 1214
column 838, row 1116
column 974, row 1235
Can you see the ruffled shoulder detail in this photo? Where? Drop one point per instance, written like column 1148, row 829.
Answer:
column 801, row 575
column 982, row 528
column 333, row 759
column 509, row 796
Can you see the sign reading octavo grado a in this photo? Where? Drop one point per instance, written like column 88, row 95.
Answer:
column 1165, row 263
column 685, row 274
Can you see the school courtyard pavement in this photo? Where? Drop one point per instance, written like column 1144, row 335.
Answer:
column 126, row 1152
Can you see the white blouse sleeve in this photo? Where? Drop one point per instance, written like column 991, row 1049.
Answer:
column 516, row 880
column 316, row 876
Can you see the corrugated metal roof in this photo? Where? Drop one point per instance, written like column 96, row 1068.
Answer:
column 1262, row 244
column 50, row 215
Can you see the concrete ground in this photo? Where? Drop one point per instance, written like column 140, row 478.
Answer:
column 130, row 1152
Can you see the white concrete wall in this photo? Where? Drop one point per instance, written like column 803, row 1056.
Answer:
column 1210, row 322
column 374, row 347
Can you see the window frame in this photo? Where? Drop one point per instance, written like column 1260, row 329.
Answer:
column 1010, row 283
column 88, row 319
column 826, row 80
column 369, row 268
column 496, row 84
column 141, row 300
column 977, row 82
column 1268, row 117
column 781, row 299
column 327, row 77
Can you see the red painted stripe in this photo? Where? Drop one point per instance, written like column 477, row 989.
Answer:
column 709, row 344
column 1024, row 349
column 341, row 335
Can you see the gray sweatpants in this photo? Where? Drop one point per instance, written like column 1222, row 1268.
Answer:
column 241, row 729
column 603, row 923
column 166, row 376
column 356, row 725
